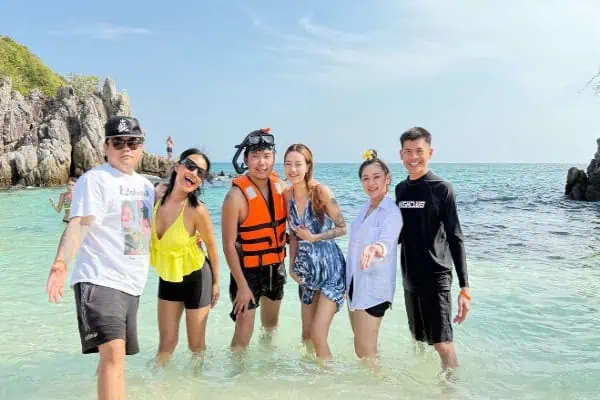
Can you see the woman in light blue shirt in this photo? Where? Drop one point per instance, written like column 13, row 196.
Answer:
column 372, row 256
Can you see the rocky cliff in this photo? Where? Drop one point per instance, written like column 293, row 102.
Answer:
column 44, row 140
column 582, row 186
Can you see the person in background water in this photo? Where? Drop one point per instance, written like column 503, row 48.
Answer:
column 187, row 279
column 372, row 258
column 317, row 263
column 254, row 237
column 431, row 240
column 64, row 201
column 111, row 268
column 170, row 144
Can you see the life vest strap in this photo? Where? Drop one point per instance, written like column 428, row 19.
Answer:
column 272, row 224
column 256, row 240
column 275, row 250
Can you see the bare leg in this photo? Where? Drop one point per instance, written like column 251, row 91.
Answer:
column 244, row 326
column 321, row 323
column 366, row 332
column 352, row 323
column 447, row 355
column 269, row 314
column 308, row 313
column 169, row 315
column 196, row 328
column 111, row 376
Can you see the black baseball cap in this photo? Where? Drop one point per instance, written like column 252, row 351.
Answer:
column 118, row 126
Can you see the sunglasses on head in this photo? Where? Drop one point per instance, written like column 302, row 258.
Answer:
column 192, row 166
column 132, row 143
column 261, row 139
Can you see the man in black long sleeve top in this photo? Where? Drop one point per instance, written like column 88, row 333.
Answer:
column 431, row 241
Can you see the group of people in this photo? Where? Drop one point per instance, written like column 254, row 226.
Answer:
column 264, row 222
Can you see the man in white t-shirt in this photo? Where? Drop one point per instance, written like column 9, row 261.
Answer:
column 109, row 229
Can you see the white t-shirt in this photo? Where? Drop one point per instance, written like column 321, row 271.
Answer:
column 115, row 250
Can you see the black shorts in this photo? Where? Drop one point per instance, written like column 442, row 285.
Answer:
column 169, row 149
column 195, row 291
column 376, row 311
column 429, row 315
column 267, row 281
column 105, row 314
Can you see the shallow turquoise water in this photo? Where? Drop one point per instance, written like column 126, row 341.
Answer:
column 532, row 333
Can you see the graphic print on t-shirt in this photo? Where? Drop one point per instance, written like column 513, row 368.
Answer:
column 135, row 222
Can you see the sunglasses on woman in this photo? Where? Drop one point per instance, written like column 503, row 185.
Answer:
column 132, row 143
column 192, row 166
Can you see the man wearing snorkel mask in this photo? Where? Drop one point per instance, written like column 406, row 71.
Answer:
column 254, row 237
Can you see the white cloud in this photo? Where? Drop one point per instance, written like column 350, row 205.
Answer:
column 103, row 30
column 541, row 44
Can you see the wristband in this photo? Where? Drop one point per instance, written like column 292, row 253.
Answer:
column 465, row 295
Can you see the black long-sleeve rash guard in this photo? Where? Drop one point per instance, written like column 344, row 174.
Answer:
column 431, row 236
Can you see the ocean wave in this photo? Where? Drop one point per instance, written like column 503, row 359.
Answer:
column 560, row 233
column 496, row 197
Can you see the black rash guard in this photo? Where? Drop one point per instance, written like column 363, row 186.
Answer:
column 431, row 236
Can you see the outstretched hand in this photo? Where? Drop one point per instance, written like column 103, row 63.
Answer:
column 367, row 256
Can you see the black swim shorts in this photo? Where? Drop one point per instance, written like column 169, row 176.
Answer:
column 267, row 281
column 377, row 310
column 195, row 291
column 429, row 315
column 105, row 314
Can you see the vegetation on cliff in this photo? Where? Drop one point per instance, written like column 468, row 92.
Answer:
column 26, row 70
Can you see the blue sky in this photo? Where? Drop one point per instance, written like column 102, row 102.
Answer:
column 492, row 83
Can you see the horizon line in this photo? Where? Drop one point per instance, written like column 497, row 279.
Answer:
column 445, row 162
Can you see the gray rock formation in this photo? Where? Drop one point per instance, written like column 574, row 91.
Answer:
column 155, row 165
column 45, row 140
column 582, row 186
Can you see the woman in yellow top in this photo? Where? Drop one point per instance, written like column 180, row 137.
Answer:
column 187, row 280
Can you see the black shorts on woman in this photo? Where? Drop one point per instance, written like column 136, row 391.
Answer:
column 195, row 291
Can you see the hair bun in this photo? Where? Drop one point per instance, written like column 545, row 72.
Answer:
column 369, row 154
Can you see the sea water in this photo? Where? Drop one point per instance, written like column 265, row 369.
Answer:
column 533, row 331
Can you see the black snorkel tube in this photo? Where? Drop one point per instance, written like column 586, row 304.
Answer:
column 240, row 167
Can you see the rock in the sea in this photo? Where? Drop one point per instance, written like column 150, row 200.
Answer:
column 44, row 140
column 577, row 183
column 582, row 186
column 152, row 164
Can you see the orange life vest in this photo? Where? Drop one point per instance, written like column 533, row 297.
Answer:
column 262, row 234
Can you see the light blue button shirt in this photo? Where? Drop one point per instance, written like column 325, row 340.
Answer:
column 377, row 283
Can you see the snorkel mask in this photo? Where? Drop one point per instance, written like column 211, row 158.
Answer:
column 260, row 139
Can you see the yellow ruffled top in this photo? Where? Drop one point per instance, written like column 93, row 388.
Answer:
column 176, row 254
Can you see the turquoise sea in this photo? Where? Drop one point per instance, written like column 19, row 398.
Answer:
column 532, row 333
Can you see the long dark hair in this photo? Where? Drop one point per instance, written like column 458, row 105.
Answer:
column 193, row 196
